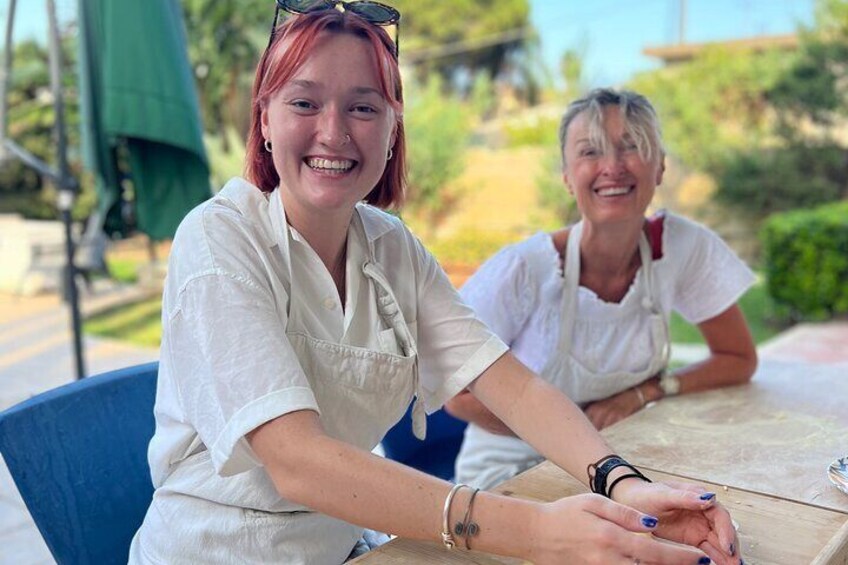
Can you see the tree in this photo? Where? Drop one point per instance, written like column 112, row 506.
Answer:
column 437, row 132
column 714, row 105
column 571, row 69
column 808, row 165
column 225, row 40
column 813, row 88
column 800, row 174
column 31, row 119
column 463, row 36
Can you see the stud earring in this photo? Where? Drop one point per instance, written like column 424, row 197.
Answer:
column 267, row 145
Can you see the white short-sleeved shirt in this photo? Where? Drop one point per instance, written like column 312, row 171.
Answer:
column 518, row 294
column 226, row 365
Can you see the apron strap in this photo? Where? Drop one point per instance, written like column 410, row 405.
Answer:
column 651, row 301
column 389, row 309
column 571, row 282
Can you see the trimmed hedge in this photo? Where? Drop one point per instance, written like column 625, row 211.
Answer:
column 806, row 260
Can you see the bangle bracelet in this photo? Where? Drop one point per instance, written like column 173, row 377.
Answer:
column 640, row 395
column 447, row 537
column 467, row 528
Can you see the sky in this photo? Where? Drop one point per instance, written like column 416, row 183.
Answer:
column 610, row 33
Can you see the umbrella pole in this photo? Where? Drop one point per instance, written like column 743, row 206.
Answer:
column 66, row 185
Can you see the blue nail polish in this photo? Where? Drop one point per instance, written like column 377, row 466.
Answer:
column 704, row 561
column 708, row 496
column 649, row 521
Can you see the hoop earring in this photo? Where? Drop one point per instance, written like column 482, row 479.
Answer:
column 390, row 155
column 267, row 145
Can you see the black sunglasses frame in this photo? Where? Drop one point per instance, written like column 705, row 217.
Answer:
column 355, row 7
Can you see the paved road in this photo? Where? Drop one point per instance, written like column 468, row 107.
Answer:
column 36, row 355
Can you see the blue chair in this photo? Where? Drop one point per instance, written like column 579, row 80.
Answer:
column 437, row 453
column 78, row 455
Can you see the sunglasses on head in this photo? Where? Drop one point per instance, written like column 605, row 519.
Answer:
column 372, row 12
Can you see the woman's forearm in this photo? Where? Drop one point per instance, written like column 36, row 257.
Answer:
column 541, row 415
column 716, row 371
column 732, row 359
column 359, row 487
column 465, row 406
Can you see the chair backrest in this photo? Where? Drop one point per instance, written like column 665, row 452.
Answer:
column 78, row 455
column 437, row 453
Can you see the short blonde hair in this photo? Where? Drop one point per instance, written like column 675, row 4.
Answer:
column 640, row 119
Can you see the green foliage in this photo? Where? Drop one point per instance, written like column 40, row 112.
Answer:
column 470, row 247
column 31, row 120
column 762, row 181
column 123, row 270
column 806, row 260
column 571, row 70
column 225, row 40
column 533, row 130
column 553, row 194
column 482, row 98
column 139, row 323
column 437, row 133
column 812, row 87
column 226, row 155
column 714, row 104
column 426, row 25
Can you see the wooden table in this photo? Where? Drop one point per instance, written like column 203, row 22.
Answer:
column 763, row 448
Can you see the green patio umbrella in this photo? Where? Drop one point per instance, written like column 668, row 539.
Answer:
column 141, row 120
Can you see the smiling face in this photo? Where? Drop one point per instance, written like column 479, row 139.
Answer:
column 605, row 171
column 330, row 129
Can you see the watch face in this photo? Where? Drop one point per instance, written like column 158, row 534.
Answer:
column 670, row 384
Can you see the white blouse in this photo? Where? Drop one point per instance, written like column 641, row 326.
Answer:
column 518, row 293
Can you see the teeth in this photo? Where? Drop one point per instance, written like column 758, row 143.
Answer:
column 327, row 164
column 613, row 191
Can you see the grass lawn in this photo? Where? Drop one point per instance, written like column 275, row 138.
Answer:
column 123, row 269
column 139, row 323
column 755, row 304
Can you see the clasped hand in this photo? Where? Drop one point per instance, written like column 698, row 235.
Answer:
column 592, row 529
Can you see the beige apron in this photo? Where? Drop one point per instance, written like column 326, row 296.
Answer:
column 361, row 394
column 488, row 459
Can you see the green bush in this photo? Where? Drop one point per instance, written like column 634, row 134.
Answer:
column 438, row 128
column 471, row 247
column 533, row 131
column 800, row 175
column 806, row 260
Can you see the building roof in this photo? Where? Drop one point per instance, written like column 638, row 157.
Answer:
column 680, row 53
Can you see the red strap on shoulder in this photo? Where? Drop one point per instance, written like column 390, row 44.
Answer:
column 655, row 232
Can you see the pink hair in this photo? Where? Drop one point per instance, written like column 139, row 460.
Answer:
column 293, row 41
